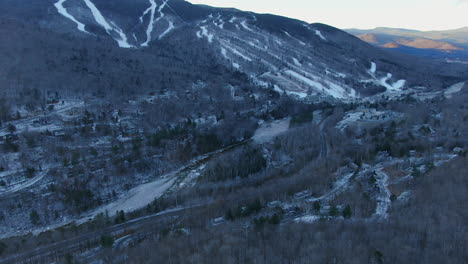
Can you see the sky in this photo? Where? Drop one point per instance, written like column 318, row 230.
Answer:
column 363, row 14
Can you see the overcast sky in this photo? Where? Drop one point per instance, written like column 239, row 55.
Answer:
column 365, row 14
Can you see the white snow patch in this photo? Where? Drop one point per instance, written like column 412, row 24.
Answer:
column 149, row 30
column 373, row 67
column 277, row 89
column 296, row 61
column 108, row 27
column 169, row 29
column 308, row 219
column 456, row 88
column 236, row 52
column 318, row 33
column 205, row 33
column 63, row 11
column 244, row 25
column 289, row 35
column 139, row 197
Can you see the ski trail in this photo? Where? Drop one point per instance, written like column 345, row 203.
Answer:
column 289, row 35
column 318, row 33
column 123, row 42
column 169, row 29
column 63, row 11
column 244, row 25
column 161, row 14
column 235, row 51
column 108, row 27
column 153, row 21
column 149, row 30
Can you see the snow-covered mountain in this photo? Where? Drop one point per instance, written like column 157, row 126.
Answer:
column 286, row 55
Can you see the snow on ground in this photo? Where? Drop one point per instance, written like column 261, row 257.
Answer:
column 289, row 35
column 224, row 53
column 395, row 87
column 235, row 51
column 277, row 89
column 108, row 27
column 318, row 33
column 338, row 75
column 383, row 198
column 149, row 30
column 366, row 115
column 204, row 32
column 339, row 92
column 244, row 25
column 23, row 185
column 449, row 92
column 373, row 67
column 28, row 123
column 296, row 61
column 169, row 29
column 308, row 219
column 267, row 131
column 61, row 9
column 311, row 83
column 140, row 196
column 338, row 187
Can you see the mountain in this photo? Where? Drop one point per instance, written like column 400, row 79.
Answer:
column 292, row 56
column 436, row 44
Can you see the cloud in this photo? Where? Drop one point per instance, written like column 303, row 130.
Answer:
column 461, row 2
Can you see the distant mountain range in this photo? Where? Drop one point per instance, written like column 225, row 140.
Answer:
column 449, row 44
